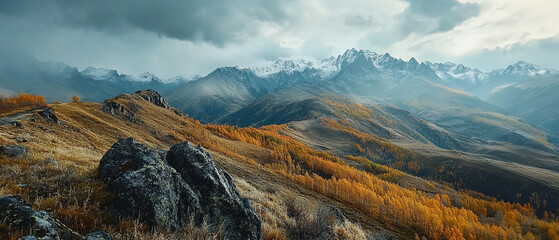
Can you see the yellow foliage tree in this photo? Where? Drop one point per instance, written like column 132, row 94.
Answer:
column 75, row 99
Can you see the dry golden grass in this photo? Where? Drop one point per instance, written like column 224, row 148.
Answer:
column 69, row 187
column 132, row 229
column 272, row 207
column 71, row 190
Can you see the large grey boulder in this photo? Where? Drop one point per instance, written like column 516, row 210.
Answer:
column 168, row 189
column 14, row 151
column 147, row 187
column 19, row 216
column 218, row 195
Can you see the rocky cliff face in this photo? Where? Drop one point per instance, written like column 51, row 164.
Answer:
column 167, row 189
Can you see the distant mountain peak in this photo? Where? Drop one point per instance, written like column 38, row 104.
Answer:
column 412, row 64
column 285, row 65
column 522, row 68
column 233, row 72
column 148, row 77
column 450, row 72
column 99, row 73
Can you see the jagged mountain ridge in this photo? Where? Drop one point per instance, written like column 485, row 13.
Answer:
column 284, row 73
column 456, row 75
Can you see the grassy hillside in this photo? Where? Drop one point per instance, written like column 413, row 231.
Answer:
column 60, row 175
column 269, row 167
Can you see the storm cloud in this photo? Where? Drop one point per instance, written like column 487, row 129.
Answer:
column 172, row 37
column 216, row 22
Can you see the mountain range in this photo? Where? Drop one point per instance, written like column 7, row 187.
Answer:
column 356, row 72
column 500, row 125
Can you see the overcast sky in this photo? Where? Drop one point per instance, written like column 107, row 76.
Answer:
column 172, row 37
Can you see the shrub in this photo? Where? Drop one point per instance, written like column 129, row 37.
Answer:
column 21, row 100
column 75, row 99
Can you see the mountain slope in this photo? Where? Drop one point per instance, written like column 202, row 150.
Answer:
column 304, row 102
column 221, row 92
column 228, row 89
column 68, row 186
column 268, row 166
column 534, row 100
column 304, row 109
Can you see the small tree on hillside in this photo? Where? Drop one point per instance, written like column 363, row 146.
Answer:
column 75, row 99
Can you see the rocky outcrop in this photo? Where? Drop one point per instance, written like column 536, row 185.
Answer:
column 113, row 108
column 154, row 97
column 118, row 110
column 145, row 186
column 19, row 216
column 14, row 151
column 217, row 192
column 48, row 115
column 168, row 189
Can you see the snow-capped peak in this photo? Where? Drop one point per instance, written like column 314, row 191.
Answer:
column 525, row 68
column 182, row 79
column 326, row 67
column 394, row 68
column 330, row 66
column 147, row 77
column 285, row 65
column 448, row 71
column 99, row 73
column 350, row 55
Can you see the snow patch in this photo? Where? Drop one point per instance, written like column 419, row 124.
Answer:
column 99, row 73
